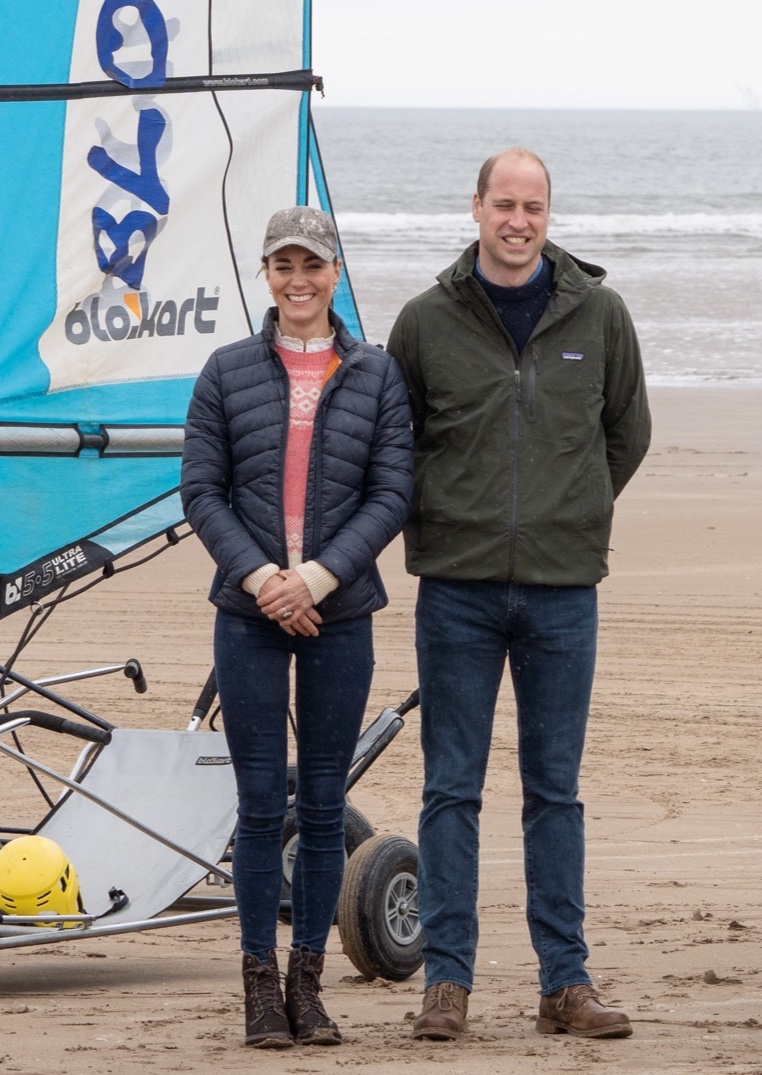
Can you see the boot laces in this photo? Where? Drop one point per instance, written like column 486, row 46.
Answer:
column 266, row 989
column 445, row 996
column 307, row 987
column 575, row 995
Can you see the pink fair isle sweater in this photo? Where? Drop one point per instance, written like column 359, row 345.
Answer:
column 308, row 370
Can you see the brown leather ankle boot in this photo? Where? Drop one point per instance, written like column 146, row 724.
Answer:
column 266, row 1022
column 309, row 1021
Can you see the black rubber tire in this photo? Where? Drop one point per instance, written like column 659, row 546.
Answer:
column 357, row 829
column 378, row 909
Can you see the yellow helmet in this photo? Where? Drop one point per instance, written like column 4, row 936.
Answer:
column 37, row 878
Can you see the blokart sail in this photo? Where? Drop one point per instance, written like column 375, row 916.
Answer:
column 145, row 145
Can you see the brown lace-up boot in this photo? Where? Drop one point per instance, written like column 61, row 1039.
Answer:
column 579, row 1010
column 266, row 1021
column 443, row 1016
column 309, row 1021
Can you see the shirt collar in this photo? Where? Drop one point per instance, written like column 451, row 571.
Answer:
column 291, row 343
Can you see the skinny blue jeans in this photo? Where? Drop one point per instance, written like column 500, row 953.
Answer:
column 464, row 633
column 332, row 681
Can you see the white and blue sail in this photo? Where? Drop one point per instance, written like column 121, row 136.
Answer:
column 145, row 146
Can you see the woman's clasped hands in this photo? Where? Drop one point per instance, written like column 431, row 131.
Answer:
column 286, row 599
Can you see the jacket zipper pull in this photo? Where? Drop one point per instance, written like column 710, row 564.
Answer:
column 517, row 380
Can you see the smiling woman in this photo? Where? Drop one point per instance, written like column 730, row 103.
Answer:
column 296, row 474
column 302, row 270
column 302, row 286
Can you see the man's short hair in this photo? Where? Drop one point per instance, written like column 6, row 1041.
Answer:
column 485, row 172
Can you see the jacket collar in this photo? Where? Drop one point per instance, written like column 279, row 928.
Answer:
column 569, row 272
column 347, row 347
column 573, row 280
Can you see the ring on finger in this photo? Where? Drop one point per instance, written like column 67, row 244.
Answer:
column 286, row 613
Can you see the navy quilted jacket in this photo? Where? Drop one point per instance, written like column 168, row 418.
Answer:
column 359, row 481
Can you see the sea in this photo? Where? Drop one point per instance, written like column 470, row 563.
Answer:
column 669, row 203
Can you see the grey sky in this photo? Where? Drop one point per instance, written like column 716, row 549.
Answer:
column 540, row 53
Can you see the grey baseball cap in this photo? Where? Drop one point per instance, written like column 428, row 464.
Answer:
column 301, row 226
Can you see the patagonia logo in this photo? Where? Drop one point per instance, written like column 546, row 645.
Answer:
column 571, row 356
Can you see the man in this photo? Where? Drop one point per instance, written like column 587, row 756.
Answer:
column 530, row 416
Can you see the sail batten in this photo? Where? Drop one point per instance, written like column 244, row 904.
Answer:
column 302, row 80
column 145, row 146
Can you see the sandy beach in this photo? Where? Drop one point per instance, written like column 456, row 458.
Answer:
column 670, row 781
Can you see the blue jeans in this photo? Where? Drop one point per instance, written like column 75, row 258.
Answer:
column 332, row 682
column 464, row 632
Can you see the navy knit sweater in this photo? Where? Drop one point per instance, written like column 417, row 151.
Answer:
column 520, row 308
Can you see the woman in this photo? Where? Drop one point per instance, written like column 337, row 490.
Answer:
column 296, row 474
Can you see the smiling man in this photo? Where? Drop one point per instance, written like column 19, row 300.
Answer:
column 512, row 208
column 530, row 416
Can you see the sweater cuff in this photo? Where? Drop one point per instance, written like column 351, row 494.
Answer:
column 254, row 582
column 318, row 579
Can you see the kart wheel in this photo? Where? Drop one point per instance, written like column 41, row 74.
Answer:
column 378, row 909
column 357, row 829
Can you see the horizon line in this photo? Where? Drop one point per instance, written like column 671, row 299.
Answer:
column 539, row 108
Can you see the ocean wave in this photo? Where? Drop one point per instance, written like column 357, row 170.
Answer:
column 696, row 379
column 689, row 224
column 397, row 229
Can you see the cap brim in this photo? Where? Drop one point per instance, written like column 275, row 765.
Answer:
column 313, row 245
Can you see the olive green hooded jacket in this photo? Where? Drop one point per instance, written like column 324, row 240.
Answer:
column 518, row 458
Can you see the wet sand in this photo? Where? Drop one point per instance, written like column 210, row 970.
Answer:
column 670, row 780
